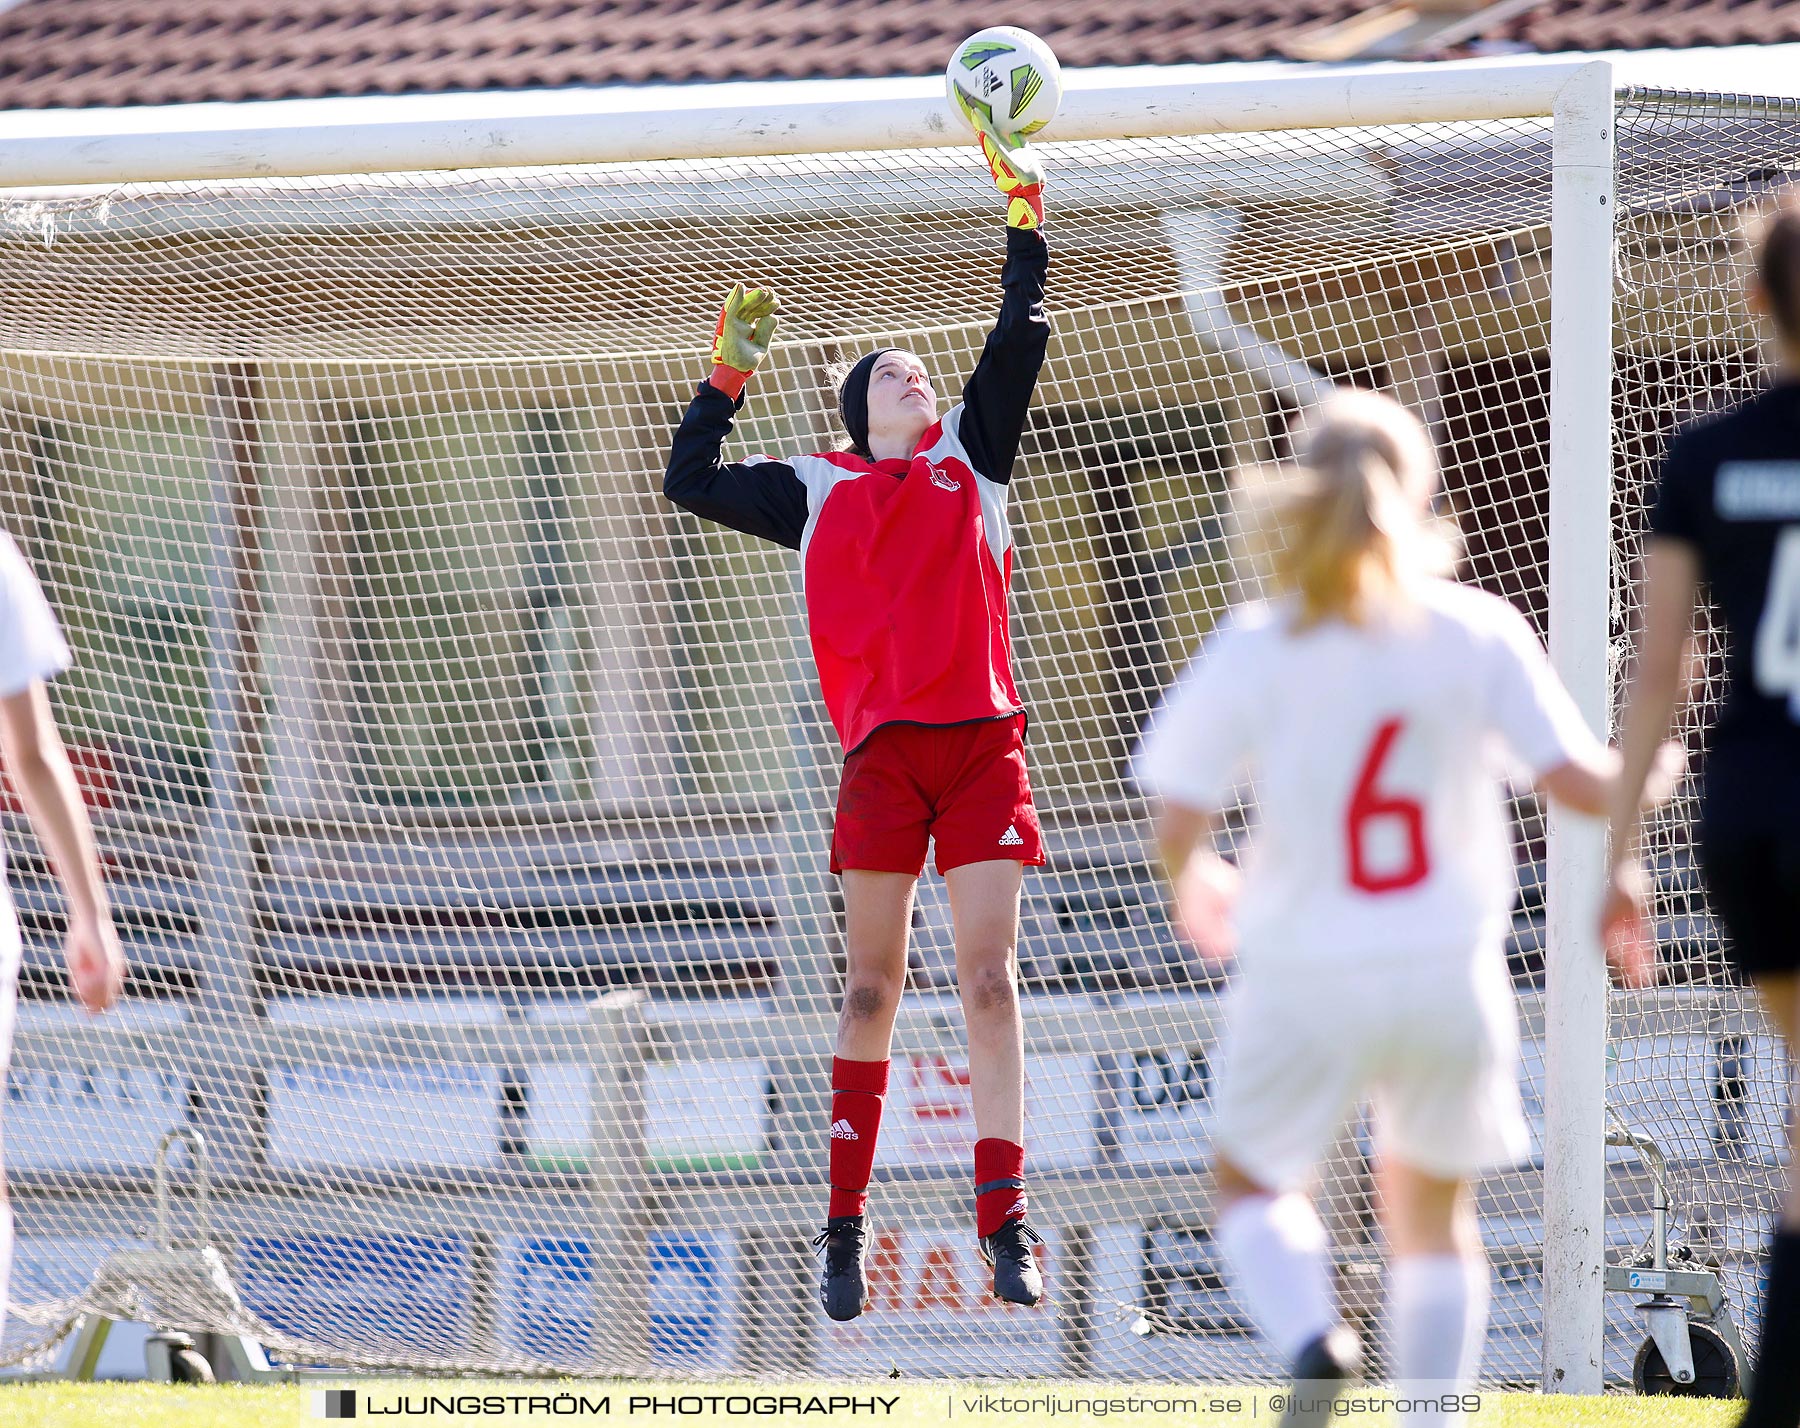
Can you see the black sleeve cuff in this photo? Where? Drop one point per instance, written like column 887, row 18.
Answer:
column 707, row 391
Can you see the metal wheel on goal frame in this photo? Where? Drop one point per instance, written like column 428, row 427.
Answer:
column 1717, row 1373
column 1692, row 1347
column 173, row 1358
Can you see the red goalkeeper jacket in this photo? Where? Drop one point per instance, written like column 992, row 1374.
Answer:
column 905, row 562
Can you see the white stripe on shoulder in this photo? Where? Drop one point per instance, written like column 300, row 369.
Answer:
column 993, row 494
column 949, row 442
column 821, row 478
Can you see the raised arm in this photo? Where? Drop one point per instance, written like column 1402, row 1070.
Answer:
column 759, row 497
column 998, row 394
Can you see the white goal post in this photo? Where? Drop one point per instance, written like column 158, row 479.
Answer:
column 337, row 557
column 297, row 140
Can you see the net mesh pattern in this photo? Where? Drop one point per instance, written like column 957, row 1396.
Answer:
column 466, row 804
column 1694, row 1064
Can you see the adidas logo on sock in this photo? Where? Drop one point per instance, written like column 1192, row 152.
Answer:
column 843, row 1130
column 1010, row 838
column 1018, row 1209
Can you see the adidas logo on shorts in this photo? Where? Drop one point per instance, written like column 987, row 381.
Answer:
column 1010, row 838
column 843, row 1130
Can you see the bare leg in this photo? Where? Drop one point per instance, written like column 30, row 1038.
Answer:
column 1231, row 1185
column 878, row 922
column 1424, row 1215
column 1439, row 1280
column 1780, row 997
column 878, row 918
column 1277, row 1251
column 984, row 906
column 1775, row 1387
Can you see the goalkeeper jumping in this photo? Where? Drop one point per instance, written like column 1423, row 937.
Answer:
column 906, row 557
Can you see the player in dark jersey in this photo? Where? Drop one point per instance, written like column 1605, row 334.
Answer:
column 906, row 555
column 1727, row 521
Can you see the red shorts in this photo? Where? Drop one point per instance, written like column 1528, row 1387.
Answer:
column 962, row 784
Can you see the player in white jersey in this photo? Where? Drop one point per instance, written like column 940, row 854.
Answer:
column 31, row 652
column 1378, row 710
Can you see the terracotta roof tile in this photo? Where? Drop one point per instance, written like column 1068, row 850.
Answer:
column 83, row 53
column 1650, row 24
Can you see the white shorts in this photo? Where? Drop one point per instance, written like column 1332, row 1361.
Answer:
column 1432, row 1043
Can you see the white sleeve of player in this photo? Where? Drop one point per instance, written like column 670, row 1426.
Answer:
column 1195, row 746
column 1531, row 710
column 31, row 646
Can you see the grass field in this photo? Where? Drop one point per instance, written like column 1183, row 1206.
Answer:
column 138, row 1405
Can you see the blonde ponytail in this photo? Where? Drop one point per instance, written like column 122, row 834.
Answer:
column 1345, row 526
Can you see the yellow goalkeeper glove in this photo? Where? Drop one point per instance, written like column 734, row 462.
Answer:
column 1017, row 173
column 741, row 340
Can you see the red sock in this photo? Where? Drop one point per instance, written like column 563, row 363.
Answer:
column 856, row 1091
column 999, row 1184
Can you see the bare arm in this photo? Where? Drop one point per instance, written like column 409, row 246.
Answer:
column 1179, row 830
column 1204, row 885
column 39, row 767
column 1648, row 765
column 1671, row 580
column 1586, row 786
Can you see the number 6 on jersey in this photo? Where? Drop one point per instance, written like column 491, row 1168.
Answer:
column 1368, row 806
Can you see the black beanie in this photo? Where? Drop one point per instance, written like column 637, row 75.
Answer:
column 853, row 400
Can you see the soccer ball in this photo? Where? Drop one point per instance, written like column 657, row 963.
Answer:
column 1005, row 77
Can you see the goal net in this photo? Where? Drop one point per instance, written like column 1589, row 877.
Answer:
column 466, row 804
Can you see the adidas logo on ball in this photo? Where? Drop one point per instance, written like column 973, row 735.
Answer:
column 1004, row 78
